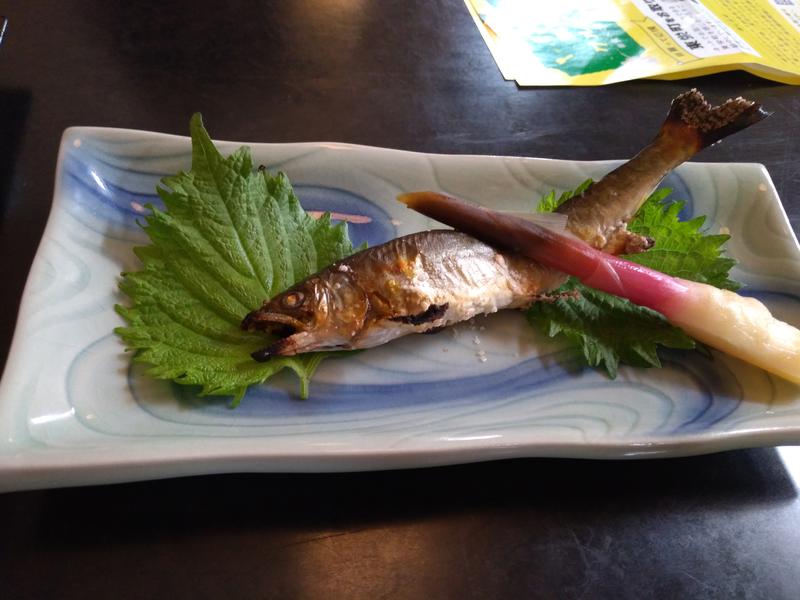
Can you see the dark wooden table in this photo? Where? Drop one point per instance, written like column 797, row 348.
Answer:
column 406, row 74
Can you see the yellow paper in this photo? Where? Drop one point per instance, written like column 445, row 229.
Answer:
column 595, row 42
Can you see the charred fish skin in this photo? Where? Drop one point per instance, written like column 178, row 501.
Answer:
column 412, row 284
column 600, row 215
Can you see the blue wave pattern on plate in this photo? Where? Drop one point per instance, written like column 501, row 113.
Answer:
column 702, row 405
column 98, row 202
column 705, row 400
column 93, row 192
column 420, row 400
column 547, row 390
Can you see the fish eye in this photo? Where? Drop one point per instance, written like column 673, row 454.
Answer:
column 293, row 299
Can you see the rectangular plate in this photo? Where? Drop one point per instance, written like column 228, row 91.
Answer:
column 74, row 410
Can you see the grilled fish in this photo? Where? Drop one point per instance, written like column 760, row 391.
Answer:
column 425, row 281
column 413, row 284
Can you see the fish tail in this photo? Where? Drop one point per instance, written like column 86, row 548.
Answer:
column 598, row 215
column 692, row 117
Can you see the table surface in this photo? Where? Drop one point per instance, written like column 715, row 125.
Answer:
column 405, row 74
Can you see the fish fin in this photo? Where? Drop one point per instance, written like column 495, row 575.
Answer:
column 707, row 124
column 623, row 241
column 432, row 313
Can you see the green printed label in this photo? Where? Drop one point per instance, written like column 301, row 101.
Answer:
column 590, row 48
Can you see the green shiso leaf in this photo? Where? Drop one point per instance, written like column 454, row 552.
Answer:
column 228, row 238
column 609, row 330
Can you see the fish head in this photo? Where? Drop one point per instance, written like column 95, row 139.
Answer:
column 320, row 313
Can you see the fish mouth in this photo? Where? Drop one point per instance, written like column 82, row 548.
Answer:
column 291, row 345
column 272, row 322
column 294, row 334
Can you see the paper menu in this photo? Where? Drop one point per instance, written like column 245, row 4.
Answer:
column 574, row 42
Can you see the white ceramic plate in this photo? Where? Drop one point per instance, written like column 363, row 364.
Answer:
column 73, row 409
